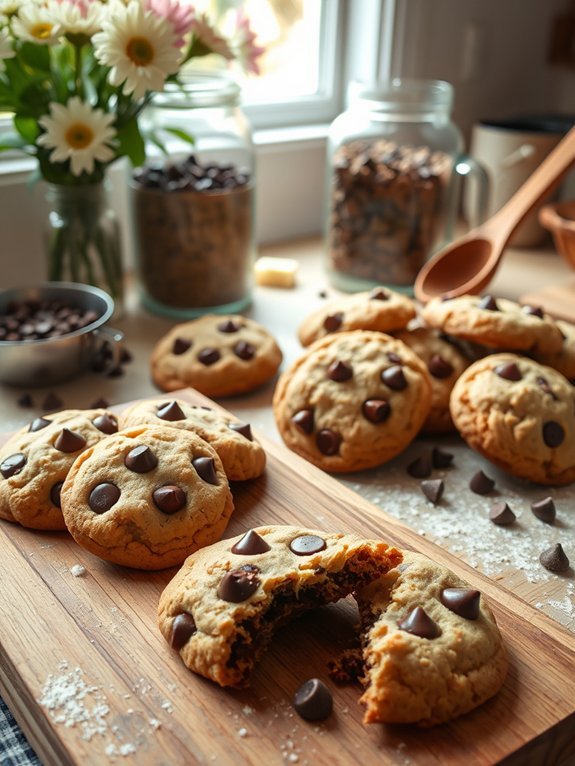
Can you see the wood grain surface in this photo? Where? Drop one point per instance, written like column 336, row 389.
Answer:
column 557, row 300
column 101, row 629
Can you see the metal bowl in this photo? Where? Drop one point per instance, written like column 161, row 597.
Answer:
column 47, row 361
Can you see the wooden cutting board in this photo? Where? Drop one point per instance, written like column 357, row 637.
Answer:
column 96, row 636
column 557, row 300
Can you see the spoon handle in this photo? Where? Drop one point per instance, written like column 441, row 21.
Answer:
column 545, row 176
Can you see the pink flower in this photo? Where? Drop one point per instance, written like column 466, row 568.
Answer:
column 208, row 36
column 179, row 14
column 244, row 43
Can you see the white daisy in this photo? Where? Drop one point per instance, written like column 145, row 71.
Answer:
column 6, row 50
column 10, row 7
column 78, row 133
column 35, row 24
column 77, row 18
column 139, row 47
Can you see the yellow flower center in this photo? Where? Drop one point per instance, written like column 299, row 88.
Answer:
column 42, row 30
column 79, row 136
column 140, row 51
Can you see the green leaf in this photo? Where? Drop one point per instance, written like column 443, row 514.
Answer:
column 27, row 127
column 182, row 134
column 36, row 56
column 155, row 139
column 131, row 142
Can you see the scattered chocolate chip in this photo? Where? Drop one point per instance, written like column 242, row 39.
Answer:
column 171, row 411
column 100, row 404
column 440, row 458
column 379, row 294
column 115, row 372
column 244, row 350
column 554, row 559
column 420, row 468
column 439, row 367
column 25, row 401
column 420, row 624
column 339, row 371
column 394, row 378
column 305, row 545
column 328, row 441
column 69, row 441
column 52, row 402
column 239, row 584
column 508, row 371
column 376, row 410
column 545, row 387
column 183, row 628
column 103, row 497
column 244, row 429
column 322, row 294
column 481, row 484
column 12, row 465
column 461, row 601
column 181, row 345
column 433, row 489
column 125, row 356
column 313, row 700
column 55, row 494
column 553, row 433
column 107, row 424
column 501, row 514
column 169, row 499
column 229, row 326
column 38, row 424
column 209, row 356
column 140, row 459
column 333, row 322
column 488, row 302
column 250, row 545
column 304, row 421
column 206, row 469
column 535, row 311
column 544, row 510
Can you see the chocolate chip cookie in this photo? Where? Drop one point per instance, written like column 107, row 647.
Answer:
column 352, row 401
column 497, row 323
column 563, row 360
column 221, row 609
column 379, row 309
column 431, row 647
column 35, row 461
column 520, row 415
column 217, row 355
column 445, row 363
column 241, row 454
column 147, row 497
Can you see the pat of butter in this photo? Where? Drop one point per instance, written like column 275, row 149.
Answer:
column 275, row 272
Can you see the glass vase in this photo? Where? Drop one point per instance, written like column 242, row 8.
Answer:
column 83, row 239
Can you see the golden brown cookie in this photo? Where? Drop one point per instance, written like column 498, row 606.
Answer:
column 379, row 309
column 35, row 461
column 217, row 355
column 241, row 454
column 445, row 362
column 223, row 606
column 352, row 401
column 431, row 647
column 495, row 322
column 147, row 497
column 520, row 415
column 563, row 360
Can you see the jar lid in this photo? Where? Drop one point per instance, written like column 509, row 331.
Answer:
column 198, row 89
column 410, row 94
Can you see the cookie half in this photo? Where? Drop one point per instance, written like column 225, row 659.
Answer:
column 520, row 415
column 241, row 454
column 431, row 647
column 352, row 401
column 379, row 309
column 35, row 461
column 221, row 609
column 147, row 497
column 498, row 323
column 219, row 355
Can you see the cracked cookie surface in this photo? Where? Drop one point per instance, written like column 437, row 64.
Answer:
column 35, row 461
column 520, row 415
column 147, row 497
column 352, row 401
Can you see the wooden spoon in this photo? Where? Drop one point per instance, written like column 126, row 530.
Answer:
column 469, row 263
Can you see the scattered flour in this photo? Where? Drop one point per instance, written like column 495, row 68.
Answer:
column 78, row 570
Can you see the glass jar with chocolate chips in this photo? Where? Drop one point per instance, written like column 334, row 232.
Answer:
column 193, row 203
column 394, row 161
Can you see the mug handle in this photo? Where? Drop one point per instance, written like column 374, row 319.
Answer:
column 468, row 169
column 115, row 338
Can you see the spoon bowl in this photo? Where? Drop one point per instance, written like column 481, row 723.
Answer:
column 469, row 263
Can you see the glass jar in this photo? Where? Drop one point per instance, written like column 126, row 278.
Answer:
column 193, row 211
column 394, row 161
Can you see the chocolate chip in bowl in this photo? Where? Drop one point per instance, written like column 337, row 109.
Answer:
column 52, row 332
